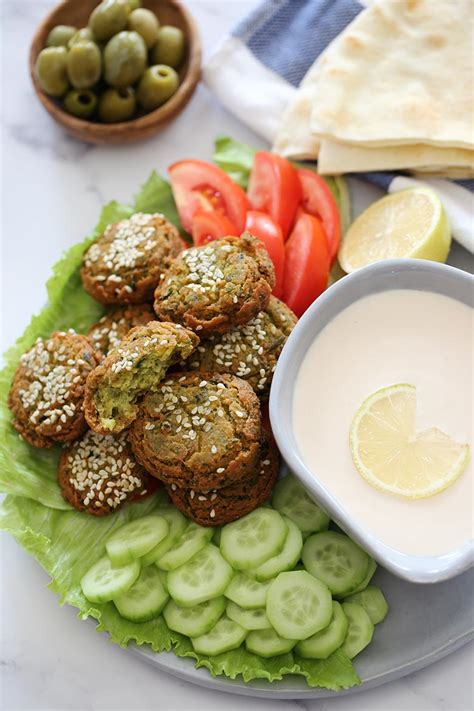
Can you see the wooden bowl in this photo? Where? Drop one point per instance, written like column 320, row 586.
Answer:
column 76, row 12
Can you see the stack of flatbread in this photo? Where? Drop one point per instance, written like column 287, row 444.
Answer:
column 394, row 91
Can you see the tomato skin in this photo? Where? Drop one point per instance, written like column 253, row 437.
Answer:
column 208, row 226
column 307, row 264
column 269, row 232
column 199, row 185
column 274, row 188
column 319, row 201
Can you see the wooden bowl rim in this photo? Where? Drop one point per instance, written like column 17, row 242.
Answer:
column 142, row 124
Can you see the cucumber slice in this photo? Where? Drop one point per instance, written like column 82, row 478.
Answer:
column 372, row 567
column 216, row 538
column 291, row 499
column 360, row 631
column 177, row 524
column 267, row 643
column 135, row 539
column 298, row 605
column 322, row 644
column 373, row 601
column 190, row 542
column 247, row 592
column 253, row 539
column 203, row 577
column 248, row 619
column 286, row 559
column 336, row 560
column 102, row 582
column 194, row 621
column 145, row 599
column 163, row 577
column 225, row 635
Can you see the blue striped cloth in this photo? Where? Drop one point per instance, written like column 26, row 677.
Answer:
column 287, row 36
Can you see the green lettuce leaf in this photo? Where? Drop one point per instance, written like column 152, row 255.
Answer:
column 156, row 196
column 67, row 543
column 235, row 158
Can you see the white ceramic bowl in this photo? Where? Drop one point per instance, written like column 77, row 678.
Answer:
column 382, row 276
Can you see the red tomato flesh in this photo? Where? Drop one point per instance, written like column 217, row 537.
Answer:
column 208, row 226
column 262, row 226
column 274, row 188
column 319, row 201
column 199, row 185
column 306, row 265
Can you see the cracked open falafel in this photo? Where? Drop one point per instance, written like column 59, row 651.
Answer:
column 112, row 328
column 134, row 368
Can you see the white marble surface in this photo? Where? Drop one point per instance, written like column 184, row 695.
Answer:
column 51, row 191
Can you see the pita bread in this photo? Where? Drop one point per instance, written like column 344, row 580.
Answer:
column 336, row 157
column 401, row 72
column 294, row 138
column 446, row 172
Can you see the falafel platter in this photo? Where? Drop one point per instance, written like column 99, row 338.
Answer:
column 147, row 481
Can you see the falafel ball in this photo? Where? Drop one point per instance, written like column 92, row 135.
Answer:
column 47, row 392
column 199, row 430
column 217, row 287
column 124, row 265
column 250, row 351
column 98, row 474
column 112, row 328
column 219, row 506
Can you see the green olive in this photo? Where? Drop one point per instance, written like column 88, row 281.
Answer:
column 146, row 24
column 84, row 64
column 51, row 70
column 133, row 4
column 108, row 18
column 169, row 48
column 60, row 35
column 117, row 105
column 80, row 102
column 125, row 59
column 156, row 86
column 84, row 33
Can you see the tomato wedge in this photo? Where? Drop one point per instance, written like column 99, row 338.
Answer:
column 262, row 226
column 274, row 188
column 208, row 226
column 318, row 200
column 306, row 265
column 199, row 185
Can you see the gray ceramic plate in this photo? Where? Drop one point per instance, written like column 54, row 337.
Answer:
column 425, row 623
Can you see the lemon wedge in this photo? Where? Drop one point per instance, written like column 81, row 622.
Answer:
column 392, row 456
column 409, row 224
